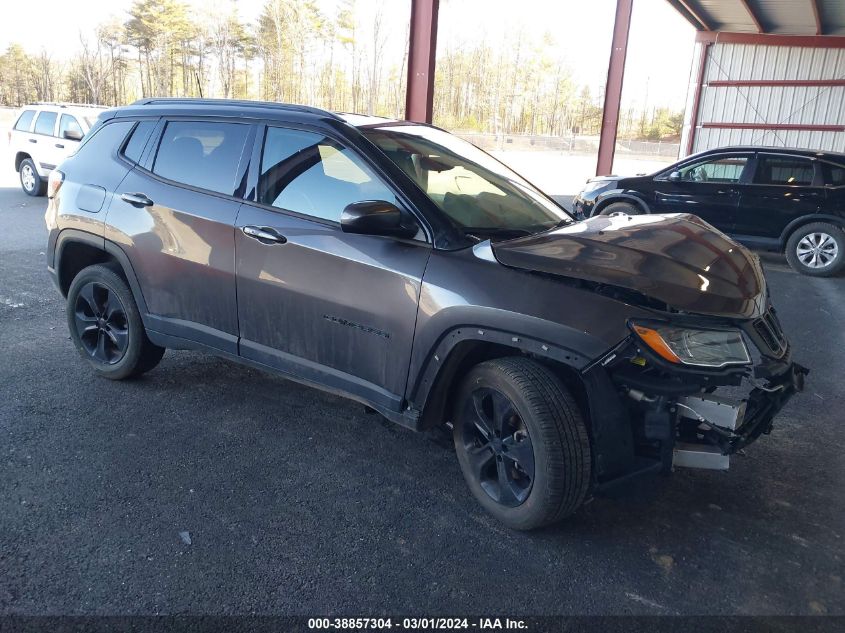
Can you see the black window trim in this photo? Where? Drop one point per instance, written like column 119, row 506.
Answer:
column 150, row 152
column 255, row 168
column 818, row 177
column 55, row 123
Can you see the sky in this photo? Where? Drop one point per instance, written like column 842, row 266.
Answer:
column 656, row 74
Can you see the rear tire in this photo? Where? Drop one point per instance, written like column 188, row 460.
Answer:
column 521, row 442
column 106, row 327
column 816, row 249
column 627, row 208
column 31, row 182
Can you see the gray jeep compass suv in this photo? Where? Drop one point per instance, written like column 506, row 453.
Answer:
column 402, row 267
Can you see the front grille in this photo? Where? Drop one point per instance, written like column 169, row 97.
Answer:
column 769, row 334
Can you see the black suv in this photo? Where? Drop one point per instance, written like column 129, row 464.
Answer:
column 787, row 200
column 400, row 266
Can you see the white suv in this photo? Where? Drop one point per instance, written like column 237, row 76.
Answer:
column 43, row 136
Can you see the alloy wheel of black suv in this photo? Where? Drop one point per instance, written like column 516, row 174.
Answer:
column 400, row 266
column 817, row 249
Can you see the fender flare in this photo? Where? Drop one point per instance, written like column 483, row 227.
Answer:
column 807, row 219
column 575, row 354
column 68, row 236
column 619, row 195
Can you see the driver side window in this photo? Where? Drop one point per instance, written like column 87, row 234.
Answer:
column 726, row 169
column 313, row 175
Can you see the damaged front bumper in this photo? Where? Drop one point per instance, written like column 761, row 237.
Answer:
column 718, row 426
column 646, row 415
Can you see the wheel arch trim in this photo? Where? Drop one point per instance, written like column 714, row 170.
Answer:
column 619, row 195
column 426, row 385
column 797, row 223
column 71, row 236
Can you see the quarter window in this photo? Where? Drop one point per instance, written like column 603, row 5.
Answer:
column 776, row 170
column 25, row 120
column 69, row 124
column 311, row 174
column 202, row 154
column 727, row 169
column 46, row 123
column 834, row 175
column 138, row 140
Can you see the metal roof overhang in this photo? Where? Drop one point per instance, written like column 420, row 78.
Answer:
column 778, row 17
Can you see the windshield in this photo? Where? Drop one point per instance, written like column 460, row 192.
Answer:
column 475, row 190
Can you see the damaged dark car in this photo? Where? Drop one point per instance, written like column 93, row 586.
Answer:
column 397, row 265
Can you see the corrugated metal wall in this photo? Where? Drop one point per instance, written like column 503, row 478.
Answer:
column 802, row 105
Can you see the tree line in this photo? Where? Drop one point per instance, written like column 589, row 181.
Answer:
column 295, row 52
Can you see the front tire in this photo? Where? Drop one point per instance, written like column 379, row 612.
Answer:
column 621, row 207
column 521, row 443
column 31, row 182
column 816, row 249
column 106, row 327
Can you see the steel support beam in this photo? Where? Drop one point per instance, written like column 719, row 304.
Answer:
column 817, row 16
column 769, row 39
column 422, row 48
column 613, row 89
column 696, row 101
column 753, row 15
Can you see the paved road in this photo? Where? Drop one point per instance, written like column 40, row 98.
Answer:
column 299, row 503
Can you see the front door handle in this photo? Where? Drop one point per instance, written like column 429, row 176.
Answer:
column 32, row 140
column 60, row 146
column 136, row 199
column 264, row 234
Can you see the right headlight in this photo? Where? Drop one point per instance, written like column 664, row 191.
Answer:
column 691, row 346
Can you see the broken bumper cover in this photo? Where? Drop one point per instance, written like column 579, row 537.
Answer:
column 763, row 404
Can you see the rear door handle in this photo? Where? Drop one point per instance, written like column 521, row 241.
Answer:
column 136, row 199
column 60, row 146
column 32, row 140
column 264, row 234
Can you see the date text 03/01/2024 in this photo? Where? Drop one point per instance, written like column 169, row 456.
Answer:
column 432, row 624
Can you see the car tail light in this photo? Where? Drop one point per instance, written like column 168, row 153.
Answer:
column 54, row 183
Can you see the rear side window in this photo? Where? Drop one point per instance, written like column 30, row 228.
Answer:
column 45, row 123
column 138, row 140
column 834, row 175
column 311, row 174
column 783, row 170
column 202, row 154
column 25, row 120
column 69, row 124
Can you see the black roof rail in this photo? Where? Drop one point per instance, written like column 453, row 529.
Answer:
column 234, row 102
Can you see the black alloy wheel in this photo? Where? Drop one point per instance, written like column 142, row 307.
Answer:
column 101, row 323
column 521, row 442
column 106, row 326
column 498, row 447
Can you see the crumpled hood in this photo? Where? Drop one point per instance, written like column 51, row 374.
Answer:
column 677, row 259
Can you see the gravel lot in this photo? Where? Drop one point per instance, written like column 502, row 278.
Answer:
column 297, row 502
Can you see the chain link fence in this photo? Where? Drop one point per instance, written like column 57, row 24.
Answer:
column 573, row 144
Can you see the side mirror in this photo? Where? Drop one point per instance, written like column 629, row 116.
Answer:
column 72, row 135
column 675, row 176
column 376, row 217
